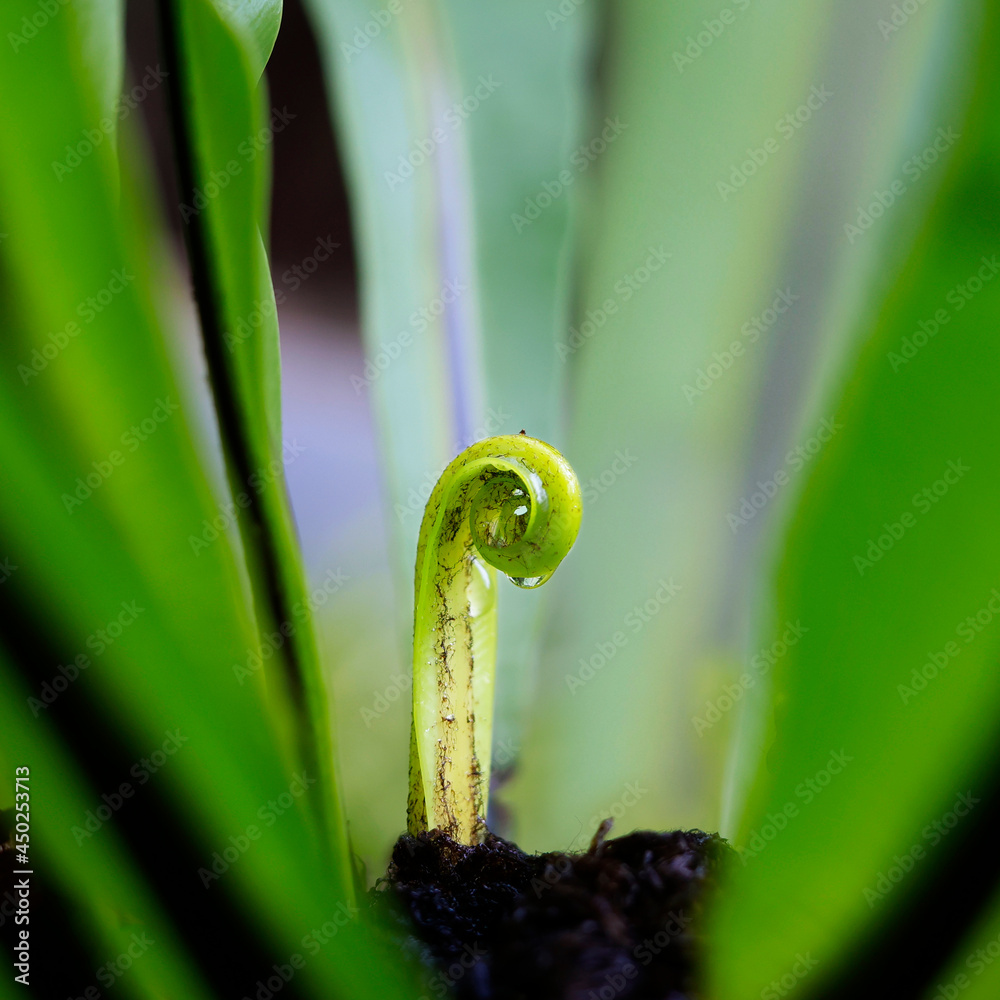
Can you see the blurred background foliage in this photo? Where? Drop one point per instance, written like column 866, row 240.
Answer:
column 697, row 247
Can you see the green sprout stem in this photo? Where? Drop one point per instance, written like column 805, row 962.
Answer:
column 509, row 503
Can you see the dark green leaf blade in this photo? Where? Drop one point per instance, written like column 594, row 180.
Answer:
column 223, row 136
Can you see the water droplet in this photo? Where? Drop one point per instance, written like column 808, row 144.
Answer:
column 501, row 513
column 529, row 582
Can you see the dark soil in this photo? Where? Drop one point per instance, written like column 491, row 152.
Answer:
column 618, row 922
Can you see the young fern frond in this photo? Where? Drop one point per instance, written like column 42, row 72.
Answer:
column 510, row 503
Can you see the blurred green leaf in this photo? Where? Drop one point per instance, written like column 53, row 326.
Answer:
column 974, row 973
column 103, row 495
column 888, row 562
column 224, row 135
column 102, row 35
column 114, row 908
column 665, row 452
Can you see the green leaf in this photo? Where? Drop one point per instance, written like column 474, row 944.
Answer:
column 888, row 562
column 224, row 134
column 974, row 972
column 102, row 31
column 59, row 796
column 105, row 503
column 256, row 22
column 652, row 615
